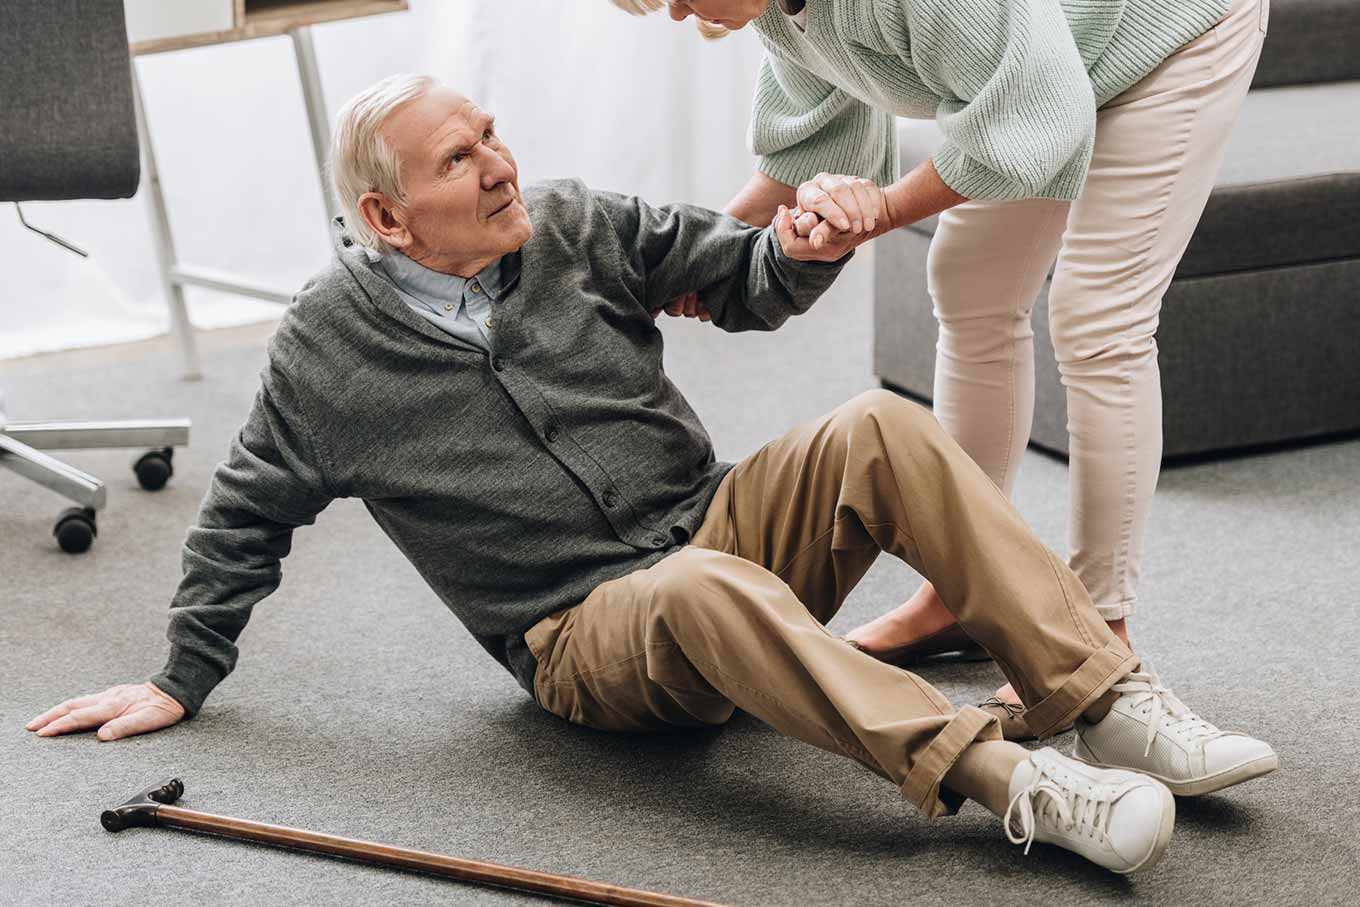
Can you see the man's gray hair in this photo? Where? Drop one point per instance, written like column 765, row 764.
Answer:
column 361, row 159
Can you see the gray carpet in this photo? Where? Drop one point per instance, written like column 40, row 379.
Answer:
column 361, row 707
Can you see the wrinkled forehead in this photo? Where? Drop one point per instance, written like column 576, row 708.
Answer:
column 422, row 129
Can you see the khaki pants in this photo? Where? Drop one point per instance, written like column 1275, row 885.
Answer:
column 1157, row 150
column 735, row 620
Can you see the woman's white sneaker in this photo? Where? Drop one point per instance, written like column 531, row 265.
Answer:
column 1149, row 730
column 1116, row 819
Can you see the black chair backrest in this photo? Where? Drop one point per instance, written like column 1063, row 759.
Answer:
column 67, row 125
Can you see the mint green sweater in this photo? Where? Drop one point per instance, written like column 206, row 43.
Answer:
column 1013, row 84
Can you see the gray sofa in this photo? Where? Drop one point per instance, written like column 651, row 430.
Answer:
column 1260, row 329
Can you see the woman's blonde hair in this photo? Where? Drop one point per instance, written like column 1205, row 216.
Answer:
column 643, row 7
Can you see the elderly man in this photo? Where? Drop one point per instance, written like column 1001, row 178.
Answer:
column 481, row 367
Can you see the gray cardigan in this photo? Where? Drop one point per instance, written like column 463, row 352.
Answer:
column 568, row 458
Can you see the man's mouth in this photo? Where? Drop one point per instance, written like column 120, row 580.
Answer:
column 502, row 207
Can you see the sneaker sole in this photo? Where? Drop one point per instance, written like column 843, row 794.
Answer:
column 1196, row 787
column 1164, row 829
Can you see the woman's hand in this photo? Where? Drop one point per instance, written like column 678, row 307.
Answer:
column 848, row 204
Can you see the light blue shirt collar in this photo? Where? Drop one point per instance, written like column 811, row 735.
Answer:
column 435, row 287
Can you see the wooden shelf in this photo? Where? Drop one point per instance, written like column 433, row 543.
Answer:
column 265, row 18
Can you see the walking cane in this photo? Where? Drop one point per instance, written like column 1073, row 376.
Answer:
column 153, row 807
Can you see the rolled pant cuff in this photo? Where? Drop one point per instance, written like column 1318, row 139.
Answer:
column 923, row 785
column 1086, row 684
column 1117, row 610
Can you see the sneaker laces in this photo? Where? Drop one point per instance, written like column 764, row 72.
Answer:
column 1167, row 710
column 1074, row 803
column 1013, row 709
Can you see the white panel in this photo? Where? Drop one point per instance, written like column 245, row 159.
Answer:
column 148, row 19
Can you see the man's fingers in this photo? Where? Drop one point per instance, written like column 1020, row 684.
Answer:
column 147, row 718
column 691, row 305
column 783, row 229
column 59, row 710
column 805, row 222
column 676, row 306
column 821, row 235
column 80, row 719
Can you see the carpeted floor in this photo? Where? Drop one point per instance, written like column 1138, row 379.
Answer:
column 361, row 707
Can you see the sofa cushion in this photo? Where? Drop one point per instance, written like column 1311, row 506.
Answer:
column 1288, row 190
column 1310, row 41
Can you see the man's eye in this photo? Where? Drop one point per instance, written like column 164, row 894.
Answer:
column 488, row 136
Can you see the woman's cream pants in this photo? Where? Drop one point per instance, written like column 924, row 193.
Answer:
column 1158, row 147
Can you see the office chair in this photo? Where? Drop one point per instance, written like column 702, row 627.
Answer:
column 68, row 131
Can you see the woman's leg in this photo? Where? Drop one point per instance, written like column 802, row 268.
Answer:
column 987, row 264
column 1125, row 237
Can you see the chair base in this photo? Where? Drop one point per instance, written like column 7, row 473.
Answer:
column 21, row 452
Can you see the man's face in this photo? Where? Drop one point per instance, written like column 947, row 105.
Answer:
column 463, row 208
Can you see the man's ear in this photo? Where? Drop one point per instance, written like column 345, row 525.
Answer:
column 377, row 211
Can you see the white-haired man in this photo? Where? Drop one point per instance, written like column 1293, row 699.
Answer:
column 481, row 367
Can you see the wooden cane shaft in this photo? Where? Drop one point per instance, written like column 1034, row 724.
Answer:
column 454, row 867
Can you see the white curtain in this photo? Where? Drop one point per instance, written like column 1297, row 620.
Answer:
column 637, row 105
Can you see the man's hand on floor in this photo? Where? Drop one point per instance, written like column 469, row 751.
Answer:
column 121, row 711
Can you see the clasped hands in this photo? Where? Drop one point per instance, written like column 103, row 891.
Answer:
column 834, row 214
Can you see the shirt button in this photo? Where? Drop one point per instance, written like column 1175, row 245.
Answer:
column 498, row 363
column 488, row 322
column 610, row 499
column 448, row 307
column 476, row 288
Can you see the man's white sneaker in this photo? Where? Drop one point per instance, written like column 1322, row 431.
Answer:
column 1116, row 819
column 1149, row 730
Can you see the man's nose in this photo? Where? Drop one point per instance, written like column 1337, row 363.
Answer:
column 496, row 169
column 679, row 11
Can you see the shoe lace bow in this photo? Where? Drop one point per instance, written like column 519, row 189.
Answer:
column 1166, row 710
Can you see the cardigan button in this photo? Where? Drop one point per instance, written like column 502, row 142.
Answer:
column 657, row 541
column 550, row 433
column 610, row 498
column 498, row 363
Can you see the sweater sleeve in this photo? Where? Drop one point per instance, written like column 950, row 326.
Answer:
column 269, row 484
column 1018, row 111
column 740, row 271
column 802, row 125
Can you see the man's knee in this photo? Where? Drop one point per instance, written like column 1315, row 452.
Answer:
column 699, row 594
column 894, row 417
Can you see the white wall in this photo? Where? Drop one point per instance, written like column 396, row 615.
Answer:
column 580, row 89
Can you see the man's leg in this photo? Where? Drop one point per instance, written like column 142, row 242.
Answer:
column 816, row 506
column 685, row 641
column 879, row 473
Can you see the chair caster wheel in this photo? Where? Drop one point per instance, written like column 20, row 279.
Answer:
column 75, row 529
column 153, row 468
